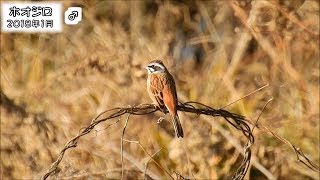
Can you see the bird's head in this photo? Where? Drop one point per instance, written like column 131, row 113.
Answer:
column 156, row 66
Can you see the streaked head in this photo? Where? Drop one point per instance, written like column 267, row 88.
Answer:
column 156, row 66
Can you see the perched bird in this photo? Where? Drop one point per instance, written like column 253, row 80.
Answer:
column 162, row 90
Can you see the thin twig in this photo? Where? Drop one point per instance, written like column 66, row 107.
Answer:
column 259, row 89
column 301, row 157
column 134, row 161
column 243, row 168
column 96, row 131
column 264, row 43
column 179, row 176
column 144, row 150
column 235, row 142
column 121, row 147
column 147, row 163
column 256, row 123
column 295, row 20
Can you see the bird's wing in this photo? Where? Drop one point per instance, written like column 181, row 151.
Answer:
column 170, row 97
column 158, row 95
column 156, row 87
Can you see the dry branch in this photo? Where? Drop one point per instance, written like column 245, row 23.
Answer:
column 237, row 121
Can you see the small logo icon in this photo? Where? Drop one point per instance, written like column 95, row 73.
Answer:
column 73, row 15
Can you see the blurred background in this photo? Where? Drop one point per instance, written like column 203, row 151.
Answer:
column 52, row 85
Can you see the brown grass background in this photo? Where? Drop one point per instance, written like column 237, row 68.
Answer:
column 217, row 51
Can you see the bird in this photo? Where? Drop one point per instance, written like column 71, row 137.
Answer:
column 162, row 90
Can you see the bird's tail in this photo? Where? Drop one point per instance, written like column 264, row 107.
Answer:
column 177, row 126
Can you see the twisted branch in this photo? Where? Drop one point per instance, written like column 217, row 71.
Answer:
column 237, row 121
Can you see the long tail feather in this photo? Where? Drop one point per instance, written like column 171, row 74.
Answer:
column 177, row 126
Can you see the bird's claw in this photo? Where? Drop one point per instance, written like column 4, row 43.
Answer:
column 160, row 120
column 155, row 105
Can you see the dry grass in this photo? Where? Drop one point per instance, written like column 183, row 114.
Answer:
column 218, row 51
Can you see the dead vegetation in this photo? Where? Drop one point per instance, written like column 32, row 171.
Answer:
column 52, row 85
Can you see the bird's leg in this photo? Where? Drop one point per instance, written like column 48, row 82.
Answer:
column 162, row 110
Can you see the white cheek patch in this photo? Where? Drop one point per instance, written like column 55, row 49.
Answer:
column 150, row 70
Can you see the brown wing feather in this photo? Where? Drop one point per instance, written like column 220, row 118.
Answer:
column 156, row 87
column 158, row 95
column 169, row 98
